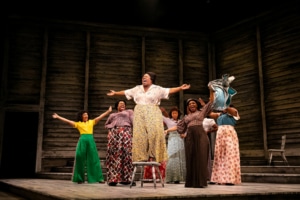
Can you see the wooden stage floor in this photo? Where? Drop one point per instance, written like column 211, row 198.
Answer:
column 49, row 189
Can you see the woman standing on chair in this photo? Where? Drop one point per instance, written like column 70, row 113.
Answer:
column 119, row 146
column 148, row 142
column 86, row 158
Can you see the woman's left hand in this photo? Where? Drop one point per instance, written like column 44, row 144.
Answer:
column 111, row 93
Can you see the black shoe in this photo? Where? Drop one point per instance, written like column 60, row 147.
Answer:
column 112, row 184
column 125, row 183
column 211, row 183
column 229, row 184
column 176, row 182
column 80, row 182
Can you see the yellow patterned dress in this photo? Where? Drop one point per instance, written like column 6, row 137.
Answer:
column 148, row 131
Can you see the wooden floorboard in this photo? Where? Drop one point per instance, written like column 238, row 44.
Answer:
column 49, row 189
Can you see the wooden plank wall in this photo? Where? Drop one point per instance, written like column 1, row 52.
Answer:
column 161, row 56
column 25, row 49
column 194, row 72
column 83, row 62
column 281, row 59
column 64, row 67
column 115, row 64
column 273, row 92
column 236, row 55
column 65, row 89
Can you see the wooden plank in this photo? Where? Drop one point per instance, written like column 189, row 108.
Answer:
column 38, row 165
column 262, row 94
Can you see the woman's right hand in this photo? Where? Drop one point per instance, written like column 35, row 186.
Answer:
column 55, row 115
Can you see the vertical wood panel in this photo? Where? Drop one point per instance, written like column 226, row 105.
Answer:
column 262, row 92
column 42, row 103
column 180, row 68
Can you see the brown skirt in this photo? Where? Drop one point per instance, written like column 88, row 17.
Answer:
column 197, row 152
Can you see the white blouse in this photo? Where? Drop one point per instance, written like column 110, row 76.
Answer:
column 153, row 95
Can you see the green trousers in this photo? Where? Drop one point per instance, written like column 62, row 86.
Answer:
column 87, row 161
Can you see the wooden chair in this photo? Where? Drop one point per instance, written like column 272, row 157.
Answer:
column 281, row 151
column 154, row 165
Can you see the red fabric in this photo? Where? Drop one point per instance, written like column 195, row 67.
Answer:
column 162, row 169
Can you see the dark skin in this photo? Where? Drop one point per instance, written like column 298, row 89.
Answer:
column 147, row 82
column 230, row 110
column 191, row 108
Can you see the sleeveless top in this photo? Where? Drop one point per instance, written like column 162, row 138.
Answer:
column 226, row 119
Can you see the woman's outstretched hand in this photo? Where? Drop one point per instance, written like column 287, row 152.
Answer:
column 185, row 86
column 109, row 109
column 111, row 93
column 55, row 115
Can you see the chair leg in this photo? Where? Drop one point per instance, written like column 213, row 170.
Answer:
column 142, row 175
column 270, row 157
column 154, row 167
column 154, row 176
column 133, row 174
column 284, row 158
column 160, row 176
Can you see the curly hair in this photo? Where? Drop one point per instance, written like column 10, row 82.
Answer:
column 175, row 109
column 80, row 113
column 117, row 103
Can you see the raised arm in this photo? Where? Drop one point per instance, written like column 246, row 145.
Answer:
column 112, row 93
column 97, row 119
column 70, row 122
column 164, row 112
column 180, row 88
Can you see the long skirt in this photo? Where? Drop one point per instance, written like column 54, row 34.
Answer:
column 148, row 134
column 226, row 166
column 197, row 156
column 175, row 169
column 119, row 155
column 87, row 161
